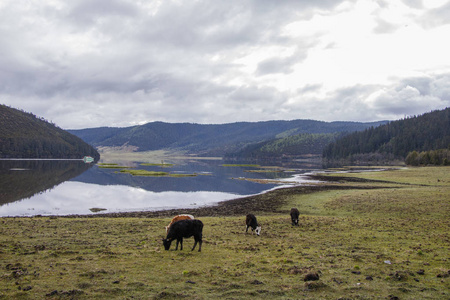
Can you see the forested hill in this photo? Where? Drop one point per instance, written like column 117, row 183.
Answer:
column 296, row 146
column 430, row 131
column 23, row 135
column 209, row 139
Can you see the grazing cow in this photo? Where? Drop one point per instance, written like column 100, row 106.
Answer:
column 250, row 221
column 294, row 216
column 178, row 218
column 184, row 229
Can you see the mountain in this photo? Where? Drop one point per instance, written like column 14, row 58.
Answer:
column 23, row 135
column 209, row 139
column 430, row 131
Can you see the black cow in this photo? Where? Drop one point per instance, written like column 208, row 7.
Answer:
column 184, row 229
column 250, row 221
column 294, row 216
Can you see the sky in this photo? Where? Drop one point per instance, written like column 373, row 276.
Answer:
column 92, row 63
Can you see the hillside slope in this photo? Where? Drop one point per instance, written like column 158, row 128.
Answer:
column 209, row 139
column 23, row 135
column 294, row 146
column 430, row 131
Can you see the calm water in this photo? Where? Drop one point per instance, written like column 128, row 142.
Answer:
column 42, row 187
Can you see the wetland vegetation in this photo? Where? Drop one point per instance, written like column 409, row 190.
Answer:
column 154, row 173
column 369, row 235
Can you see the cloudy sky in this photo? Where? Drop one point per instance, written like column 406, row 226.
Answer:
column 91, row 63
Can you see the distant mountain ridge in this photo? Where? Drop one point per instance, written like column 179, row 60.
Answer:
column 210, row 139
column 23, row 135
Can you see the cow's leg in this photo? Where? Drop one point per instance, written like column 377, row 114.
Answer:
column 181, row 244
column 176, row 248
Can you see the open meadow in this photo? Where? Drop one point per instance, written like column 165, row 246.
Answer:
column 369, row 235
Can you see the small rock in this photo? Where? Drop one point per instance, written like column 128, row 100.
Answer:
column 421, row 272
column 96, row 209
column 443, row 275
column 52, row 293
column 191, row 282
column 400, row 275
column 39, row 247
column 311, row 277
column 315, row 285
column 369, row 278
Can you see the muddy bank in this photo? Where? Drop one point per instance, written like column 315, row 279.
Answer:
column 269, row 202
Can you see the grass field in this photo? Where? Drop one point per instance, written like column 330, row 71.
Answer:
column 375, row 240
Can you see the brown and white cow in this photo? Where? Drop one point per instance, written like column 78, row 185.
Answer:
column 178, row 218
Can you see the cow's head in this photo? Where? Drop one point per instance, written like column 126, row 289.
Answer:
column 166, row 243
column 258, row 229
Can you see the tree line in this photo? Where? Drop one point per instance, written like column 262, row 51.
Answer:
column 395, row 140
column 440, row 157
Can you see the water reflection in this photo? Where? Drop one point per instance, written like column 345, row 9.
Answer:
column 79, row 198
column 22, row 179
column 30, row 188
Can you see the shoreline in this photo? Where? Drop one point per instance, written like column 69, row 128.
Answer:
column 265, row 203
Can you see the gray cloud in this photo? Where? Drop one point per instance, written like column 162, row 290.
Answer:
column 282, row 65
column 85, row 13
column 413, row 96
column 436, row 17
column 385, row 27
column 414, row 3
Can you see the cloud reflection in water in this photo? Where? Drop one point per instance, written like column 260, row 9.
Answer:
column 73, row 197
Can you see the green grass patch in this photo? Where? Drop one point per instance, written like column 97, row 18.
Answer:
column 155, row 173
column 263, row 171
column 164, row 165
column 144, row 173
column 111, row 166
column 241, row 165
column 181, row 175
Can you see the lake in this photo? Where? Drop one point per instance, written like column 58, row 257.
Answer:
column 65, row 187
